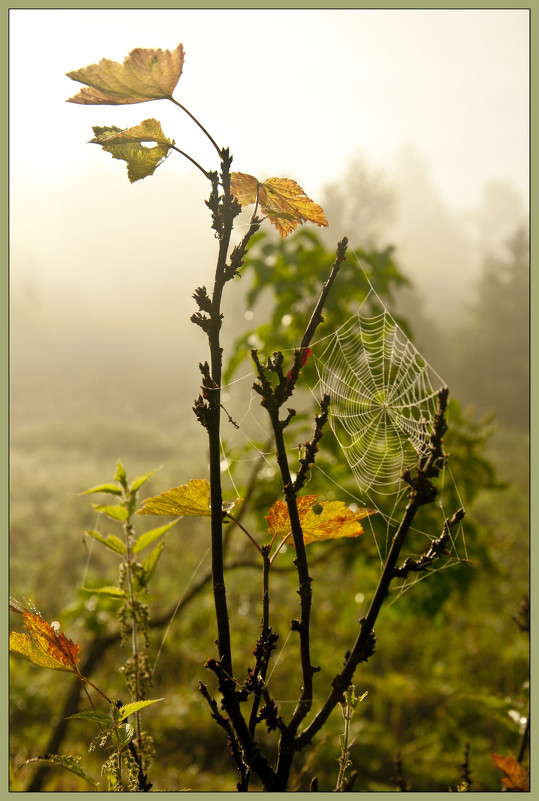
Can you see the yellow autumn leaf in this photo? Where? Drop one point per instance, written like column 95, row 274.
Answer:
column 319, row 521
column 244, row 187
column 44, row 645
column 282, row 200
column 144, row 75
column 192, row 499
column 126, row 144
column 147, row 131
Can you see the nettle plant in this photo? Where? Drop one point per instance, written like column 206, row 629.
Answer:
column 241, row 704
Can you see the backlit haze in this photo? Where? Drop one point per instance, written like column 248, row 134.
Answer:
column 103, row 271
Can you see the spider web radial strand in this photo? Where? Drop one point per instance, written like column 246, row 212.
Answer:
column 383, row 398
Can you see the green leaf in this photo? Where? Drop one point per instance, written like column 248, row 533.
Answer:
column 114, row 512
column 70, row 763
column 110, row 488
column 113, row 592
column 122, row 736
column 192, row 499
column 150, row 536
column 120, row 469
column 137, row 483
column 93, row 714
column 130, row 709
column 150, row 563
column 112, row 542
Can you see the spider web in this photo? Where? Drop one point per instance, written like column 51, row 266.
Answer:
column 383, row 398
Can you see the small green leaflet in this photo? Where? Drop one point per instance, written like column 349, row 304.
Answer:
column 150, row 536
column 113, row 592
column 137, row 483
column 115, row 512
column 150, row 563
column 112, row 542
column 135, row 706
column 110, row 488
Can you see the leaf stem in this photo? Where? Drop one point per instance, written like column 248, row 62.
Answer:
column 237, row 522
column 192, row 160
column 212, row 140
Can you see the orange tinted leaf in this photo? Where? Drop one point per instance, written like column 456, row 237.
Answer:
column 192, row 499
column 144, row 75
column 517, row 777
column 282, row 200
column 284, row 196
column 335, row 520
column 319, row 521
column 243, row 187
column 43, row 645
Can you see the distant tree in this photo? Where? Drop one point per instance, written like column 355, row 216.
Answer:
column 361, row 204
column 492, row 357
column 501, row 212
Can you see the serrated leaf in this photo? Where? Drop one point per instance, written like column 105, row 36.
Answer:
column 70, row 763
column 110, row 488
column 135, row 706
column 150, row 536
column 114, row 512
column 144, row 75
column 150, row 563
column 44, row 645
column 141, row 161
column 137, row 483
column 192, row 499
column 93, row 714
column 244, row 187
column 112, row 542
column 282, row 200
column 319, row 521
column 120, row 469
column 147, row 131
column 113, row 592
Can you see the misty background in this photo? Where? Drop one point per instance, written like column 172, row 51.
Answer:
column 410, row 128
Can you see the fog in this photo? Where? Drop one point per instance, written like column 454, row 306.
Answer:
column 102, row 272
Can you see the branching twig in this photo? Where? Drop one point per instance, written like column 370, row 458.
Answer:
column 422, row 491
column 436, row 551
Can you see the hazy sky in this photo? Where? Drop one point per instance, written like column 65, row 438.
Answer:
column 294, row 93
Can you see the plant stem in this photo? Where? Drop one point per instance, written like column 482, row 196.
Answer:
column 213, row 417
column 129, row 534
